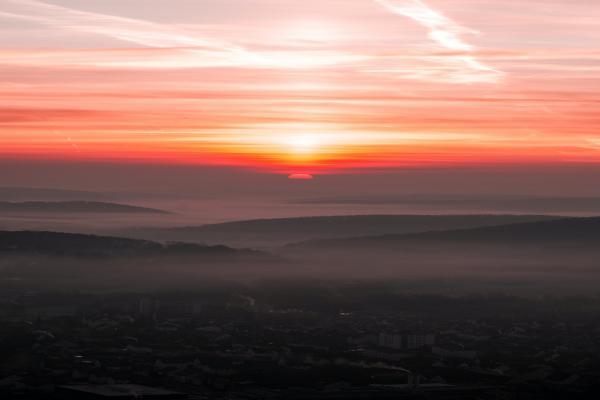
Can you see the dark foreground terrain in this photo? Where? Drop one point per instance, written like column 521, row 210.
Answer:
column 298, row 340
column 454, row 311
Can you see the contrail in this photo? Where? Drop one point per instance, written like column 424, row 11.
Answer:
column 210, row 51
column 207, row 52
column 127, row 29
column 192, row 50
column 442, row 29
column 447, row 34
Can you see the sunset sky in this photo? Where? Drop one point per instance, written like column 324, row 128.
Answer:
column 301, row 87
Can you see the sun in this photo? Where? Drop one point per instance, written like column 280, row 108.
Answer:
column 301, row 176
column 303, row 143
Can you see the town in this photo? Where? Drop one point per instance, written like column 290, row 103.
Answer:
column 297, row 341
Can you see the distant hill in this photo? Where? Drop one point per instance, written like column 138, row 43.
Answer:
column 565, row 247
column 520, row 204
column 576, row 231
column 72, row 244
column 73, row 207
column 46, row 194
column 47, row 260
column 275, row 232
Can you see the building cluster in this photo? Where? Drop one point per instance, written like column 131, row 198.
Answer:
column 237, row 347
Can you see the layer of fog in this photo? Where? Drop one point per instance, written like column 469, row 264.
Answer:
column 524, row 272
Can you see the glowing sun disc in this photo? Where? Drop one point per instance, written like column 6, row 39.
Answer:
column 301, row 176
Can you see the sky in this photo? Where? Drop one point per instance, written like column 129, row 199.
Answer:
column 302, row 88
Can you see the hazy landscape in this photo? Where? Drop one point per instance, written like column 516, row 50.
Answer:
column 299, row 200
column 108, row 295
column 137, row 246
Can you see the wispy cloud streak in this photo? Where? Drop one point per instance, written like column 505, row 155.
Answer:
column 191, row 50
column 127, row 29
column 447, row 34
column 210, row 51
column 442, row 29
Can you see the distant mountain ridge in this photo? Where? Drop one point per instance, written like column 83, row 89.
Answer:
column 522, row 204
column 47, row 194
column 74, row 244
column 31, row 259
column 543, row 250
column 74, row 207
column 279, row 231
column 578, row 231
